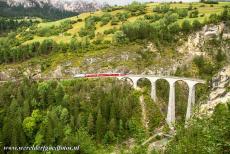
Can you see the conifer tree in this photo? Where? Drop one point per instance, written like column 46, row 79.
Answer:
column 112, row 125
column 90, row 124
column 100, row 126
column 26, row 108
column 59, row 94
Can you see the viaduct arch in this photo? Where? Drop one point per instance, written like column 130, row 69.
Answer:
column 191, row 83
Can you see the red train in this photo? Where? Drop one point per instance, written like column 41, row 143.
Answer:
column 98, row 75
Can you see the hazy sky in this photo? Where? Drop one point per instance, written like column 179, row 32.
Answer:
column 123, row 2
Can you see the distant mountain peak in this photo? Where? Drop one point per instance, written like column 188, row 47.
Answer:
column 74, row 5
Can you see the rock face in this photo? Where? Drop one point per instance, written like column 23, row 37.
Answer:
column 220, row 92
column 4, row 76
column 196, row 41
column 58, row 72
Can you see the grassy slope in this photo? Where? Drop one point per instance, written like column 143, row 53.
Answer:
column 206, row 10
column 78, row 60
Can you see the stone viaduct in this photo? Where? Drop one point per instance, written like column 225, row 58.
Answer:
column 171, row 80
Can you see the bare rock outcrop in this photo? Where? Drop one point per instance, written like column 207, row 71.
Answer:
column 4, row 76
column 220, row 90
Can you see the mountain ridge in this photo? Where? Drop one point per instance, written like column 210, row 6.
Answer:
column 74, row 6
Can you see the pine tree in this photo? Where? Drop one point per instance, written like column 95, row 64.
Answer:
column 50, row 97
column 120, row 129
column 14, row 139
column 90, row 124
column 59, row 94
column 112, row 112
column 26, row 109
column 64, row 116
column 49, row 136
column 112, row 125
column 13, row 108
column 100, row 126
column 7, row 127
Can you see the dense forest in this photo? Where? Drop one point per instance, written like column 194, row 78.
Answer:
column 68, row 113
column 47, row 12
column 10, row 24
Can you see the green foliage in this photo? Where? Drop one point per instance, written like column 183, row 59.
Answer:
column 194, row 14
column 186, row 26
column 225, row 15
column 153, row 113
column 196, row 24
column 90, row 26
column 152, row 18
column 81, row 113
column 29, row 125
column 7, row 24
column 206, row 135
column 115, row 21
column 206, row 67
column 163, row 8
column 9, row 54
column 190, row 6
column 122, row 16
column 139, row 150
column 214, row 18
column 100, row 126
column 182, row 13
column 110, row 31
column 136, row 8
column 174, row 28
column 120, row 37
column 105, row 19
column 220, row 56
column 158, row 30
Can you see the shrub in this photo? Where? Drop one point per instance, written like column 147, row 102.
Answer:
column 190, row 7
column 115, row 21
column 153, row 17
column 174, row 28
column 196, row 24
column 214, row 18
column 120, row 37
column 186, row 26
column 110, row 31
column 162, row 8
column 136, row 8
column 55, row 30
column 122, row 16
column 194, row 14
column 105, row 19
column 202, row 5
column 79, row 20
column 83, row 32
column 225, row 15
column 182, row 12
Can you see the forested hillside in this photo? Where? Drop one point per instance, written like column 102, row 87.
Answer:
column 70, row 113
column 45, row 12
